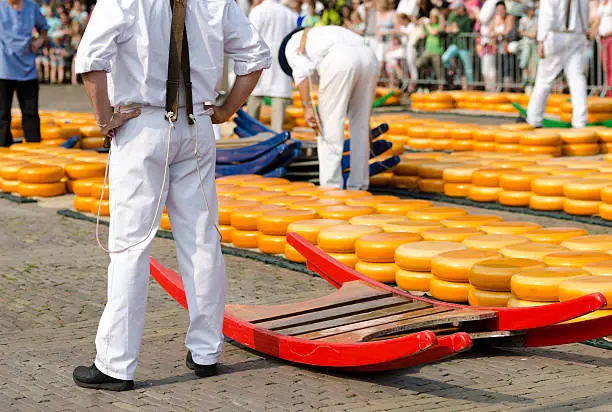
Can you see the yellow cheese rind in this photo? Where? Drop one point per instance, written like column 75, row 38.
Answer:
column 381, row 272
column 413, row 281
column 449, row 291
column 584, row 285
column 455, row 266
column 542, row 284
column 495, row 274
column 417, row 256
column 575, row 259
column 486, row 298
column 342, row 238
column 380, row 247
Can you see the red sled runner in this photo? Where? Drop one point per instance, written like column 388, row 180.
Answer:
column 369, row 326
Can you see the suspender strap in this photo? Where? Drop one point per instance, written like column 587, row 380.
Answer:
column 567, row 17
column 178, row 61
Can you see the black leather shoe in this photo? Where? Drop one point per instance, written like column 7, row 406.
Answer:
column 92, row 378
column 201, row 371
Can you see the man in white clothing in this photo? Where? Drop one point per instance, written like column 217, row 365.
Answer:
column 562, row 30
column 163, row 152
column 348, row 71
column 273, row 21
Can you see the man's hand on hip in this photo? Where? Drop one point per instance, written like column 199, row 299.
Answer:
column 117, row 120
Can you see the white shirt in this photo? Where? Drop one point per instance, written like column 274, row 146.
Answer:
column 318, row 44
column 553, row 15
column 273, row 21
column 408, row 7
column 605, row 22
column 244, row 6
column 129, row 39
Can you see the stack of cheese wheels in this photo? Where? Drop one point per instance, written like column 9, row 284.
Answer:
column 376, row 254
column 540, row 285
column 37, row 180
column 485, row 184
column 580, row 142
column 339, row 241
column 458, row 180
column 243, row 221
column 605, row 139
column 548, row 192
column 79, row 170
column 431, row 176
column 272, row 226
column 490, row 280
column 414, row 261
column 605, row 208
column 517, row 188
column 100, row 194
column 240, row 238
column 84, row 200
column 406, row 173
column 384, row 179
column 583, row 285
column 463, row 137
column 9, row 171
column 508, row 141
column 451, row 271
column 543, row 141
column 309, row 230
column 583, row 196
column 92, row 138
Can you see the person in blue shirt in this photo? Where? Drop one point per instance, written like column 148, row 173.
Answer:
column 18, row 20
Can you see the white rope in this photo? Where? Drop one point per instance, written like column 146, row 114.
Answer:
column 169, row 116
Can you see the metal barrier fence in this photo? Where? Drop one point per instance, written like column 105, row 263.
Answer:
column 494, row 67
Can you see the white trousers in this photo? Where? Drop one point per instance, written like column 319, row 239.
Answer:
column 137, row 159
column 348, row 78
column 217, row 131
column 566, row 52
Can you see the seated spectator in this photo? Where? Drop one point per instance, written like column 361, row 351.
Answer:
column 433, row 46
column 311, row 19
column 43, row 63
column 356, row 24
column 528, row 29
column 457, row 27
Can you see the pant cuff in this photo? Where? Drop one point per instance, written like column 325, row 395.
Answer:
column 111, row 373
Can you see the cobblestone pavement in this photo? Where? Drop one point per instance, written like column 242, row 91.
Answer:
column 52, row 291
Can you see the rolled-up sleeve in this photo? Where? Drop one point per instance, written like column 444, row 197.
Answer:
column 109, row 26
column 243, row 44
column 41, row 22
column 301, row 65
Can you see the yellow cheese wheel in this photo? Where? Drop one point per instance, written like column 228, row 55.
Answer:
column 571, row 172
column 463, row 145
column 574, row 136
column 271, row 244
column 495, row 274
column 441, row 144
column 592, row 243
column 40, row 174
column 484, row 146
column 585, row 189
column 484, row 194
column 575, row 259
column 589, row 316
column 100, row 206
column 435, row 213
column 449, row 291
column 10, row 170
column 290, row 187
column 431, row 185
column 342, row 238
column 380, row 247
column 457, row 189
column 405, row 182
column 238, row 179
column 315, row 205
column 41, row 189
column 410, row 226
column 582, row 149
column 417, row 256
column 606, row 194
column 82, row 187
column 245, row 218
column 472, row 221
column 460, row 132
column 96, row 142
column 275, row 222
column 508, row 136
column 287, row 200
column 541, row 137
column 490, row 177
column 450, row 234
column 535, row 251
column 455, row 266
column 581, row 207
column 546, row 202
column 435, row 170
column 347, row 259
column 605, row 211
column 382, row 272
column 518, row 181
column 601, row 268
column 485, row 298
column 227, row 207
column 554, row 234
column 512, row 198
column 413, row 281
column 371, row 201
column 83, row 204
column 382, row 179
column 484, row 134
column 409, row 167
column 542, row 284
column 551, row 185
column 345, row 212
column 401, row 207
column 259, row 196
column 418, row 143
column 225, row 231
column 245, row 239
column 96, row 190
column 293, row 255
column 263, row 182
column 508, row 228
column 344, row 194
column 233, row 190
column 82, row 170
column 375, row 220
column 507, row 148
column 584, row 285
column 309, row 229
column 494, row 242
column 515, row 302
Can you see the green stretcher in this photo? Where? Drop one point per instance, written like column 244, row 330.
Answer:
column 556, row 123
column 377, row 103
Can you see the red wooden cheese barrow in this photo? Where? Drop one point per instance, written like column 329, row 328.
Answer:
column 369, row 326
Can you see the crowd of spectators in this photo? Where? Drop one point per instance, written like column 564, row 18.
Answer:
column 67, row 21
